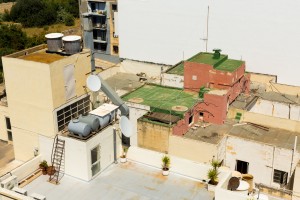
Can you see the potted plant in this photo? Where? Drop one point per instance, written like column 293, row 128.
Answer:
column 44, row 167
column 123, row 158
column 51, row 170
column 212, row 175
column 165, row 165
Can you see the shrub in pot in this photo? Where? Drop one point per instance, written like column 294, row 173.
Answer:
column 44, row 167
column 165, row 165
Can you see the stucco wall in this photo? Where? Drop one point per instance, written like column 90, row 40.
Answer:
column 29, row 95
column 153, row 136
column 265, row 120
column 25, row 143
column 78, row 153
column 262, row 159
column 172, row 80
column 191, row 149
column 82, row 67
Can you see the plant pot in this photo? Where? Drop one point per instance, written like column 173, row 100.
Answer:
column 44, row 171
column 123, row 160
column 51, row 170
column 211, row 187
column 165, row 172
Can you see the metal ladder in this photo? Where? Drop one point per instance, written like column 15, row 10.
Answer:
column 58, row 160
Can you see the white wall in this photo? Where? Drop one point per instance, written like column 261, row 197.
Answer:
column 78, row 153
column 262, row 159
column 172, row 80
column 196, row 170
column 263, row 33
column 277, row 109
column 136, row 111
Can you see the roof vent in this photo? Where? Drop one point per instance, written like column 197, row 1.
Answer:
column 217, row 53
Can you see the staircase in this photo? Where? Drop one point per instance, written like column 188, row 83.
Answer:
column 58, row 160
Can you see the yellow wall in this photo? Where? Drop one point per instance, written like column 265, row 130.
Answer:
column 266, row 120
column 3, row 114
column 24, row 143
column 34, row 90
column 82, row 68
column 153, row 136
column 191, row 149
column 296, row 186
column 262, row 78
column 29, row 95
column 285, row 89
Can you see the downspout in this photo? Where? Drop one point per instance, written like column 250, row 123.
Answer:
column 293, row 154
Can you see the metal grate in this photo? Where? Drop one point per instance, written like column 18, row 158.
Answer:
column 69, row 112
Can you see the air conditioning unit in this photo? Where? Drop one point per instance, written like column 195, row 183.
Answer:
column 9, row 183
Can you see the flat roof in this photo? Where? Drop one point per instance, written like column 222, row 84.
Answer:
column 122, row 181
column 162, row 98
column 42, row 56
column 207, row 58
column 222, row 63
column 273, row 136
column 229, row 65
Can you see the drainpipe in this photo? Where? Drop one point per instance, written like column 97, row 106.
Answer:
column 293, row 154
column 115, row 145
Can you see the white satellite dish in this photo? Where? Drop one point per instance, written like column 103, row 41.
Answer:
column 126, row 126
column 93, row 82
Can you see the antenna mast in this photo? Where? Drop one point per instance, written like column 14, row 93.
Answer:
column 207, row 27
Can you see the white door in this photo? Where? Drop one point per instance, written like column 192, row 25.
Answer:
column 70, row 91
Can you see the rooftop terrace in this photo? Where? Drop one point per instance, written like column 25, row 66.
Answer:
column 162, row 98
column 122, row 181
column 222, row 63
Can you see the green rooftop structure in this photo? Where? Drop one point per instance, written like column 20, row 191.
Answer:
column 163, row 99
column 220, row 62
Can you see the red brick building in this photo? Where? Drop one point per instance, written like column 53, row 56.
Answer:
column 221, row 80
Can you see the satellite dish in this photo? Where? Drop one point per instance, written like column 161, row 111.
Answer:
column 93, row 82
column 126, row 126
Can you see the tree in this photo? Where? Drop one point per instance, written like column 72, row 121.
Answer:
column 34, row 12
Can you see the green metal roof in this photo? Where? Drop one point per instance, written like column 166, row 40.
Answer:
column 162, row 99
column 222, row 63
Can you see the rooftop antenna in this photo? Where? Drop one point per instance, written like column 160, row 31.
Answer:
column 207, row 20
column 206, row 38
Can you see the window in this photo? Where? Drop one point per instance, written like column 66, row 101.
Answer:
column 280, row 177
column 194, row 77
column 69, row 112
column 201, row 114
column 191, row 119
column 8, row 129
column 114, row 7
column 242, row 166
column 95, row 160
column 116, row 49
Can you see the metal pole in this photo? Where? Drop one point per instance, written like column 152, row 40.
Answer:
column 207, row 28
column 115, row 145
